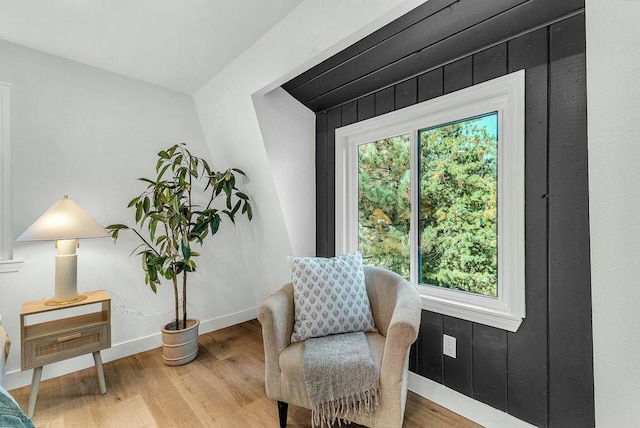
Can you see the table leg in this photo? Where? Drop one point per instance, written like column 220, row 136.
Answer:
column 33, row 396
column 98, row 360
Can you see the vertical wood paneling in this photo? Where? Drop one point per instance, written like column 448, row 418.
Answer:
column 349, row 113
column 490, row 63
column 490, row 366
column 334, row 120
column 322, row 162
column 413, row 357
column 430, row 84
column 406, row 93
column 366, row 107
column 571, row 401
column 527, row 357
column 458, row 372
column 430, row 346
column 385, row 101
column 490, row 344
column 458, row 75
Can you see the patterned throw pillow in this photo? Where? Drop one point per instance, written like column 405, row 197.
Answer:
column 330, row 296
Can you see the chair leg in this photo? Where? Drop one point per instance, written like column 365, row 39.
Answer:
column 282, row 413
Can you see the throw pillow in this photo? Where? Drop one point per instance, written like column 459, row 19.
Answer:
column 330, row 296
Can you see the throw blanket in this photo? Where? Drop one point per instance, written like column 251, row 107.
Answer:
column 340, row 377
column 10, row 413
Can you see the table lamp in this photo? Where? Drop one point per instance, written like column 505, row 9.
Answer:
column 65, row 222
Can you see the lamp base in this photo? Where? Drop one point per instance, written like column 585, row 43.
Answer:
column 54, row 302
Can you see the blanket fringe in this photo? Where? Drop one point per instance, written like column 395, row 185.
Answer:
column 329, row 412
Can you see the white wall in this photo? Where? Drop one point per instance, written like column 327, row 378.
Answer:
column 88, row 133
column 286, row 127
column 312, row 32
column 613, row 88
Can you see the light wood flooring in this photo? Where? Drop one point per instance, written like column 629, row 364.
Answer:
column 223, row 387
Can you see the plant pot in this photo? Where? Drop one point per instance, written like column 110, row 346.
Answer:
column 180, row 346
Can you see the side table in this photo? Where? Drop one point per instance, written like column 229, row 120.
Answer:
column 66, row 337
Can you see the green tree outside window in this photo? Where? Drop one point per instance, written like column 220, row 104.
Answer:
column 458, row 202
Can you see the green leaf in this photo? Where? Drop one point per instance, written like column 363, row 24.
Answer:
column 215, row 224
column 230, row 215
column 153, row 224
column 164, row 155
column 117, row 226
column 146, row 180
column 199, row 228
column 236, row 208
column 164, row 169
column 205, row 165
column 186, row 251
column 239, row 171
column 146, row 205
column 249, row 213
column 138, row 212
column 242, row 195
column 133, row 202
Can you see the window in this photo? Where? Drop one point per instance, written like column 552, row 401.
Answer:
column 6, row 232
column 435, row 192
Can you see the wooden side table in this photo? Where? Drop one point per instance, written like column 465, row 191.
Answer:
column 51, row 341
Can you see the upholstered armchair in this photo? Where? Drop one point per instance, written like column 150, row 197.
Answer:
column 396, row 308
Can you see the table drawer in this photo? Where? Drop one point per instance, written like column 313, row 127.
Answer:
column 68, row 344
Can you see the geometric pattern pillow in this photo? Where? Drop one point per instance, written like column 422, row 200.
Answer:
column 329, row 296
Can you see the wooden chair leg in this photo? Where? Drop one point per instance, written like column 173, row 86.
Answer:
column 282, row 413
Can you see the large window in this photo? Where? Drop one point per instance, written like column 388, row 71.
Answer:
column 435, row 192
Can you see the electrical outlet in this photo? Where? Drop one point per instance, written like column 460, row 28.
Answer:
column 449, row 346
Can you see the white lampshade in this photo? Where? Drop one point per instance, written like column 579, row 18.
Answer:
column 64, row 220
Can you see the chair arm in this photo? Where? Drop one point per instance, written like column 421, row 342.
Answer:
column 275, row 314
column 402, row 331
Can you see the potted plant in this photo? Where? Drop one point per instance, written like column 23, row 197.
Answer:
column 169, row 221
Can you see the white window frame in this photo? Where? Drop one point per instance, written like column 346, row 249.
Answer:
column 7, row 263
column 504, row 95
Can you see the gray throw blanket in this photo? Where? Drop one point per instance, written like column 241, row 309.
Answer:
column 340, row 377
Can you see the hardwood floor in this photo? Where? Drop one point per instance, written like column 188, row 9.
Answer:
column 223, row 387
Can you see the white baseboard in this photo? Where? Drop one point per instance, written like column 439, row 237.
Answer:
column 467, row 407
column 17, row 378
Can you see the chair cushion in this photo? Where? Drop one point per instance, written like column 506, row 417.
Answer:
column 330, row 296
column 292, row 368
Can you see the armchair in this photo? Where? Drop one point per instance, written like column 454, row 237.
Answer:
column 396, row 308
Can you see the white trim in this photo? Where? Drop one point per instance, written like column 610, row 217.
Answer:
column 17, row 378
column 7, row 264
column 504, row 95
column 6, row 234
column 467, row 407
column 13, row 265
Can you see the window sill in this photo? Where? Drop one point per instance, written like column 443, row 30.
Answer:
column 13, row 265
column 478, row 313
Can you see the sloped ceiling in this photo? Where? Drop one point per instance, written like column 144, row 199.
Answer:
column 176, row 44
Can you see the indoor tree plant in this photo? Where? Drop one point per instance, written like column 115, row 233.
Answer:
column 169, row 221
